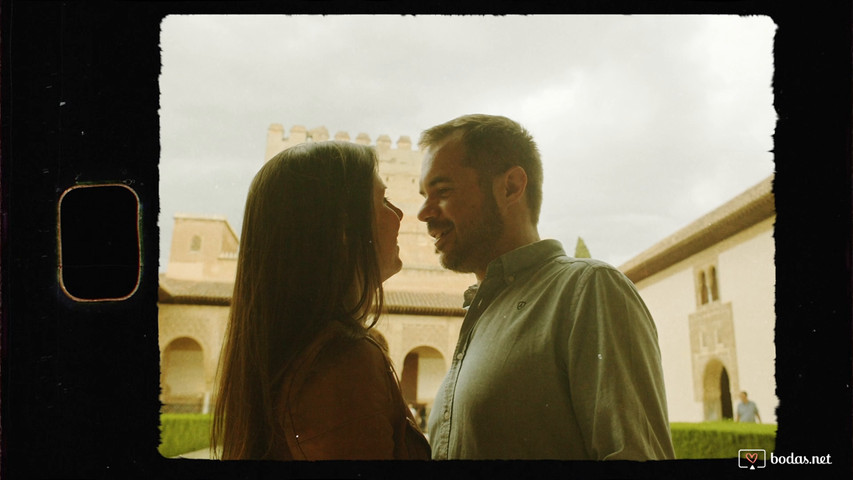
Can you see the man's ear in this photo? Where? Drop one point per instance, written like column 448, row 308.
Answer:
column 510, row 186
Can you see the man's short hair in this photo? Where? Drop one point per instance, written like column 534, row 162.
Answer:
column 492, row 145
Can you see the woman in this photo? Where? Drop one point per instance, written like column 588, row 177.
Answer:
column 300, row 378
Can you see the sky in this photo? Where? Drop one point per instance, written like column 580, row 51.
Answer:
column 644, row 123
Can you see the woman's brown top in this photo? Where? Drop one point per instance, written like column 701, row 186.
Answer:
column 341, row 401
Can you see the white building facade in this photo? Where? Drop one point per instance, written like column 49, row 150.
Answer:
column 711, row 290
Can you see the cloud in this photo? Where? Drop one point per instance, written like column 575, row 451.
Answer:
column 633, row 114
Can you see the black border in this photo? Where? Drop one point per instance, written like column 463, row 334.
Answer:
column 79, row 386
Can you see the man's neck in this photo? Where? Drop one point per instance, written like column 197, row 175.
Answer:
column 506, row 245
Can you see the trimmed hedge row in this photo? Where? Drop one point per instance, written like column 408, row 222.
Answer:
column 720, row 439
column 183, row 433
column 187, row 432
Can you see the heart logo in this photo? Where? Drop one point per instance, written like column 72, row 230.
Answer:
column 752, row 457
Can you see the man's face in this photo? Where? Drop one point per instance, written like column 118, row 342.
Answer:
column 743, row 398
column 463, row 219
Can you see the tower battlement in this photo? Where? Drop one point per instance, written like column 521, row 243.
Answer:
column 278, row 139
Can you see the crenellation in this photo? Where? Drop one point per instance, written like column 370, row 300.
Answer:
column 383, row 143
column 404, row 153
column 362, row 139
column 298, row 134
column 319, row 134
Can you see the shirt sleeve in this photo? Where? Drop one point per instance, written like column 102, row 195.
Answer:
column 615, row 374
column 344, row 409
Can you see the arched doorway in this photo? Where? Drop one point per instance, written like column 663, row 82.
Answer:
column 423, row 371
column 717, row 395
column 183, row 376
column 725, row 395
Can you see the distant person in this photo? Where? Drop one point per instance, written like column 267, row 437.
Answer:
column 557, row 357
column 300, row 376
column 747, row 410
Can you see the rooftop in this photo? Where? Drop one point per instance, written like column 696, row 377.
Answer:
column 189, row 292
column 743, row 211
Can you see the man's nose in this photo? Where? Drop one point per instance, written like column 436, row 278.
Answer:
column 427, row 211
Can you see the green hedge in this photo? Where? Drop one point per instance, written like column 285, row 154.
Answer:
column 720, row 439
column 187, row 432
column 183, row 433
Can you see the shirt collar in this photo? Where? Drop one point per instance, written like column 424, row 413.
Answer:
column 510, row 264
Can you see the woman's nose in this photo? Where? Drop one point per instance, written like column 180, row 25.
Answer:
column 396, row 210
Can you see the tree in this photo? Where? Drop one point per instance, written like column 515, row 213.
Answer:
column 580, row 249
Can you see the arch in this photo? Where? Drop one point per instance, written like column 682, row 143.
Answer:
column 725, row 395
column 716, row 391
column 183, row 379
column 423, row 371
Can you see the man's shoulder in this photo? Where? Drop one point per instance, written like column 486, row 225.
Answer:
column 569, row 273
column 567, row 265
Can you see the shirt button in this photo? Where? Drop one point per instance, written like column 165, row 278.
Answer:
column 447, row 415
column 459, row 356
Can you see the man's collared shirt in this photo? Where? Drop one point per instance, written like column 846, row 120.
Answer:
column 557, row 358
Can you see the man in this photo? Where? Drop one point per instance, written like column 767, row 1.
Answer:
column 557, row 357
column 747, row 410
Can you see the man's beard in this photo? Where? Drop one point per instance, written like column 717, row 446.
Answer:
column 473, row 248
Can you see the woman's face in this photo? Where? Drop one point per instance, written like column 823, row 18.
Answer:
column 387, row 218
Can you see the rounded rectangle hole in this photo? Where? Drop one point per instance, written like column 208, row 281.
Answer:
column 99, row 247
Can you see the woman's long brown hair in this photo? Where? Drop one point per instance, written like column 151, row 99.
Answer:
column 306, row 259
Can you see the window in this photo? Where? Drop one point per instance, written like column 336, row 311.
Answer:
column 195, row 243
column 707, row 286
column 714, row 292
column 703, row 289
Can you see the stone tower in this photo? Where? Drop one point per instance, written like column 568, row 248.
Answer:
column 204, row 247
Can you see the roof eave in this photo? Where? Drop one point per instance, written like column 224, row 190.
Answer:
column 753, row 206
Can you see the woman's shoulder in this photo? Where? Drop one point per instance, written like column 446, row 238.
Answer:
column 348, row 377
column 351, row 354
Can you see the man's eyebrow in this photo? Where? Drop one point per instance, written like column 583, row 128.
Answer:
column 441, row 179
column 435, row 181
